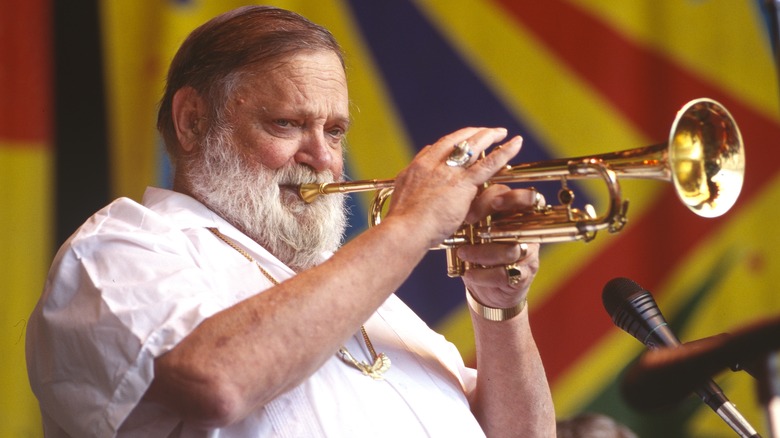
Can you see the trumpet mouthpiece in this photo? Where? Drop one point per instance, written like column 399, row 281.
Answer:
column 311, row 191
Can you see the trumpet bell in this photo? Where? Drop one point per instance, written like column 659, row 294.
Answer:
column 707, row 157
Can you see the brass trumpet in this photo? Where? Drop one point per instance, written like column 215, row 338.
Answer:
column 704, row 158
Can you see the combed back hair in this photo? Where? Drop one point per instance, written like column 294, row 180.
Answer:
column 214, row 57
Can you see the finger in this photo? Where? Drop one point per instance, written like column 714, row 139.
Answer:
column 484, row 168
column 465, row 153
column 499, row 283
column 443, row 146
column 493, row 277
column 498, row 253
column 499, row 198
column 482, row 206
column 519, row 199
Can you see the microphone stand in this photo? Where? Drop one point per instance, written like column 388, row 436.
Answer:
column 729, row 413
column 665, row 376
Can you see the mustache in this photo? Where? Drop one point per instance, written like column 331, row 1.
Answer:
column 291, row 177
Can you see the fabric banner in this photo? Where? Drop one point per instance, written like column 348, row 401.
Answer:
column 573, row 77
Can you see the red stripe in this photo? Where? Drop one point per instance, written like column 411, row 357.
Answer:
column 648, row 89
column 26, row 104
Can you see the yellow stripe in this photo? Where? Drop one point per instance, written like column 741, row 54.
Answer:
column 133, row 87
column 723, row 41
column 26, row 242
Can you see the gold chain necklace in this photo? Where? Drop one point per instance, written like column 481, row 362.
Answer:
column 381, row 361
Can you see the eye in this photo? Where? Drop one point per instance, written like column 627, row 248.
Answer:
column 337, row 133
column 284, row 123
column 337, row 130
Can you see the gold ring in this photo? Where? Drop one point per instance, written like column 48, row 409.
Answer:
column 514, row 274
column 460, row 155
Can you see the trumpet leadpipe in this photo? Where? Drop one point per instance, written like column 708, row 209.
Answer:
column 309, row 192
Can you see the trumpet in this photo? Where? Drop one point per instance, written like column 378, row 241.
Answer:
column 704, row 158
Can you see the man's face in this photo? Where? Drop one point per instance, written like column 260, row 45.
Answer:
column 295, row 112
column 284, row 127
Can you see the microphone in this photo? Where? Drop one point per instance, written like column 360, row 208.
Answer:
column 634, row 310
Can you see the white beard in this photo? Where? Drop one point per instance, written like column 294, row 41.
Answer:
column 250, row 199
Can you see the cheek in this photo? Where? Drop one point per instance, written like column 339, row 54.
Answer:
column 272, row 158
column 338, row 164
column 270, row 153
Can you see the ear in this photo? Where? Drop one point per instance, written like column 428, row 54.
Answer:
column 189, row 117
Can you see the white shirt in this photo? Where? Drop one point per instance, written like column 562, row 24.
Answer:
column 135, row 279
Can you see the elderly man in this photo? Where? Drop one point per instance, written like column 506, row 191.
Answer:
column 222, row 308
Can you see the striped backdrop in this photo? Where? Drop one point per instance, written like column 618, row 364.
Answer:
column 574, row 77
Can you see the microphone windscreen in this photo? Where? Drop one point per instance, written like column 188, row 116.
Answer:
column 617, row 291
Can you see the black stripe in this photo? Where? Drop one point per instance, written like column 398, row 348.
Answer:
column 82, row 184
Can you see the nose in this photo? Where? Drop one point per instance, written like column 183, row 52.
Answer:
column 316, row 152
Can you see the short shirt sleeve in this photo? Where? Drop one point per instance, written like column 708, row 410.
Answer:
column 126, row 288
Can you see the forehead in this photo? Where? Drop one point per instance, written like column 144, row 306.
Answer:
column 304, row 79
